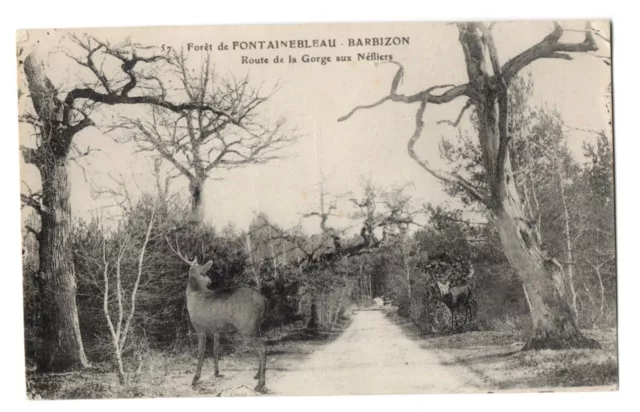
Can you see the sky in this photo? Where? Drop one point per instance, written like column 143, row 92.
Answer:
column 372, row 143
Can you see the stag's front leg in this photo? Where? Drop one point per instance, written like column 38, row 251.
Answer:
column 202, row 342
column 260, row 347
column 216, row 353
column 453, row 320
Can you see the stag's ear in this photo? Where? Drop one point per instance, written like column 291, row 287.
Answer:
column 207, row 266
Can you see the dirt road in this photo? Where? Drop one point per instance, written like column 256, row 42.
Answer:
column 373, row 356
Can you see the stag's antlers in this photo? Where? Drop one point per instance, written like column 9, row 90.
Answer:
column 180, row 255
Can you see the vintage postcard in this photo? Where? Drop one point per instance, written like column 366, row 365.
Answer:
column 318, row 209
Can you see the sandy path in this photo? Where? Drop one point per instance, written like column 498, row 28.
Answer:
column 372, row 356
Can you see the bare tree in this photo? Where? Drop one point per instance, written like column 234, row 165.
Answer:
column 199, row 142
column 56, row 118
column 377, row 210
column 120, row 330
column 487, row 93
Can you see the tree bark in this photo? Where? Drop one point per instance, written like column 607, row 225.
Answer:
column 554, row 326
column 596, row 269
column 63, row 349
column 197, row 207
column 567, row 234
column 557, row 273
column 312, row 324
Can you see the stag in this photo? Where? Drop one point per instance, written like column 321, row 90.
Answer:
column 227, row 309
column 458, row 296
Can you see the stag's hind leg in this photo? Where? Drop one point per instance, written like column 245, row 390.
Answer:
column 257, row 375
column 467, row 313
column 473, row 312
column 202, row 343
column 260, row 347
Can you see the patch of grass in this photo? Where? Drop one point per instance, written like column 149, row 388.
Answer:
column 496, row 359
column 568, row 368
column 89, row 384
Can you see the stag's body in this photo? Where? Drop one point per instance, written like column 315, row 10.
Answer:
column 214, row 311
column 229, row 310
column 458, row 296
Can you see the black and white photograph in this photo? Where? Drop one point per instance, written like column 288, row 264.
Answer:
column 318, row 209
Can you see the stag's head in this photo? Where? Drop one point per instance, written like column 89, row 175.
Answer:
column 444, row 287
column 197, row 271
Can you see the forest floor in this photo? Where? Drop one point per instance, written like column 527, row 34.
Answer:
column 370, row 354
column 163, row 374
column 497, row 362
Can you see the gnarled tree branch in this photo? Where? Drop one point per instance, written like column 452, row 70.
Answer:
column 35, row 233
column 33, row 203
column 423, row 98
column 456, row 122
column 425, row 95
column 551, row 48
column 452, row 178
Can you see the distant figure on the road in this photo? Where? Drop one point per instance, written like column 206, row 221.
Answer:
column 379, row 301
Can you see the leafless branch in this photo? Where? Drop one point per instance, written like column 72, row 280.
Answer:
column 105, row 300
column 364, row 106
column 80, row 154
column 456, row 122
column 35, row 233
column 129, row 55
column 196, row 141
column 549, row 47
column 493, row 51
column 454, row 178
column 132, row 306
column 423, row 96
column 33, row 202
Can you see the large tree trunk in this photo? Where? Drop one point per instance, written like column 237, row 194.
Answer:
column 197, row 207
column 554, row 326
column 313, row 323
column 61, row 337
column 567, row 234
column 63, row 348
